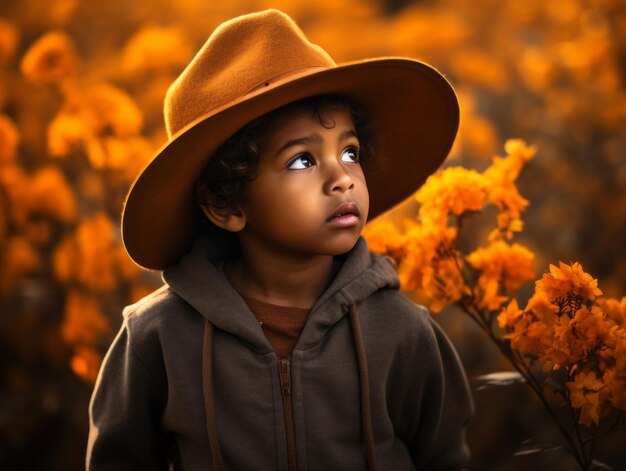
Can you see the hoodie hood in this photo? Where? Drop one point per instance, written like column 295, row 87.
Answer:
column 198, row 273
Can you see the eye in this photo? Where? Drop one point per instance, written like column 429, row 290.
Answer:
column 351, row 154
column 300, row 162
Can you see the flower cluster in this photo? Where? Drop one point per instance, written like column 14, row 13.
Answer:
column 566, row 326
column 429, row 262
column 54, row 217
column 577, row 337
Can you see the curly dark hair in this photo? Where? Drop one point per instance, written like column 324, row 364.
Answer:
column 234, row 164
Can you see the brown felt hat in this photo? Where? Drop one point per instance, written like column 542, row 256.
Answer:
column 254, row 64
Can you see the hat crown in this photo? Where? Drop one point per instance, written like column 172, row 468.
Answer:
column 241, row 55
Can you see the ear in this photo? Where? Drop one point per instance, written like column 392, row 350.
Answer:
column 230, row 219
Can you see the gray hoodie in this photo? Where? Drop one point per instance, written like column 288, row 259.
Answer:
column 191, row 382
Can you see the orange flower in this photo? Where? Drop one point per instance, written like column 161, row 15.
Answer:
column 537, row 70
column 51, row 59
column 477, row 134
column 67, row 131
column 105, row 121
column 8, row 41
column 509, row 315
column 454, row 190
column 128, row 154
column 156, row 48
column 575, row 340
column 382, row 236
column 113, row 111
column 568, row 283
column 88, row 256
column 84, row 322
column 476, row 66
column 615, row 371
column 585, row 395
column 543, row 309
column 501, row 267
column 127, row 269
column 86, row 363
column 51, row 194
column 615, row 310
column 9, row 139
column 615, row 381
column 509, row 265
column 14, row 184
column 528, row 336
column 502, row 191
column 430, row 265
column 19, row 259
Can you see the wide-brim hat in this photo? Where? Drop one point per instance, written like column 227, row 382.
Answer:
column 252, row 65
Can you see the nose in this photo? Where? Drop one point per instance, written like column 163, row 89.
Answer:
column 339, row 179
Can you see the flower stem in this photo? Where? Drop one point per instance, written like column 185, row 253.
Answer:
column 577, row 449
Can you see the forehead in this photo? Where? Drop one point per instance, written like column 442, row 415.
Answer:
column 304, row 123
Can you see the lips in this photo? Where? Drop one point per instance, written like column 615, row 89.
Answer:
column 343, row 209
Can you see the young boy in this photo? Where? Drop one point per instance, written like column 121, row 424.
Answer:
column 279, row 342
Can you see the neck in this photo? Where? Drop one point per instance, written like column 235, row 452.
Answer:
column 281, row 280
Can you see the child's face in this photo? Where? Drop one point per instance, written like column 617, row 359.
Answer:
column 306, row 172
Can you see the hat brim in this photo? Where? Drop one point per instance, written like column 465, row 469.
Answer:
column 415, row 117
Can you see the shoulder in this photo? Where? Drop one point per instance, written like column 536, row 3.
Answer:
column 158, row 314
column 394, row 313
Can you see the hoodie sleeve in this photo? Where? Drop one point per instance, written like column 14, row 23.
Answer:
column 124, row 412
column 440, row 400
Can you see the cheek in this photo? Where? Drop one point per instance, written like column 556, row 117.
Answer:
column 363, row 192
column 273, row 202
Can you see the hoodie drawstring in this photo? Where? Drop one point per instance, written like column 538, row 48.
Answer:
column 366, row 409
column 209, row 402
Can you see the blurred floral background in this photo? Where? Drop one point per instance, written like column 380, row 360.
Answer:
column 81, row 92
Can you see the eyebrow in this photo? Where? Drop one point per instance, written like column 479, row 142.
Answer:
column 313, row 138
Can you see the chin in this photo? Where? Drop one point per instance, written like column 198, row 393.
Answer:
column 343, row 246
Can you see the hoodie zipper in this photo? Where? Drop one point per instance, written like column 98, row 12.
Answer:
column 284, row 369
